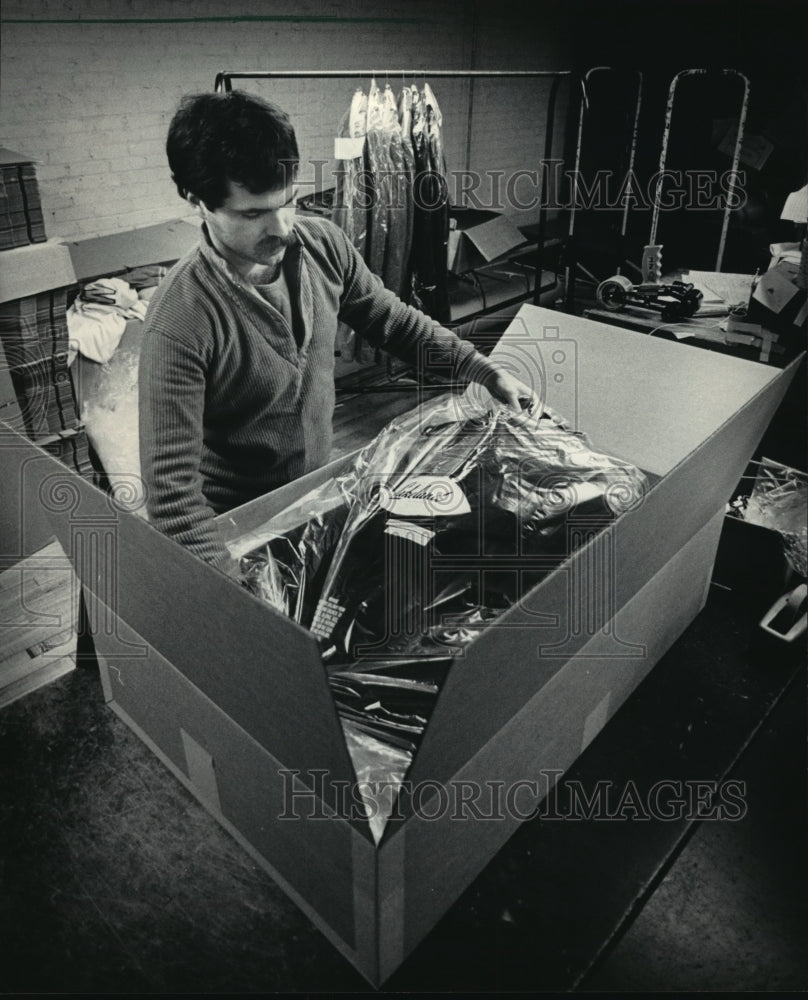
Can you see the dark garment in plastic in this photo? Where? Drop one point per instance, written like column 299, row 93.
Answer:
column 440, row 526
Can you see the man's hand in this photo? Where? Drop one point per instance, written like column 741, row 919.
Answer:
column 513, row 393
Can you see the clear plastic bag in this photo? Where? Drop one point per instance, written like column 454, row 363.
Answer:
column 779, row 500
column 461, row 477
column 380, row 770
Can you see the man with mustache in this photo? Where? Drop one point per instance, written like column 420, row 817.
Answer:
column 237, row 354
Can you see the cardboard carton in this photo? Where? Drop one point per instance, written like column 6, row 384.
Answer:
column 164, row 242
column 35, row 268
column 480, row 236
column 233, row 696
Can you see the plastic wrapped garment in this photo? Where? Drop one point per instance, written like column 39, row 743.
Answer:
column 381, row 170
column 434, row 122
column 399, row 209
column 353, row 195
column 350, row 211
column 392, row 705
column 384, row 562
column 387, row 564
column 408, row 166
column 382, row 718
column 431, row 214
column 380, row 769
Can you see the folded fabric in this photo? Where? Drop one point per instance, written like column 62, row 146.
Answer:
column 94, row 331
column 97, row 318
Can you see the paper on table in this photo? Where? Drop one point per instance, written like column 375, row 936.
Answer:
column 796, row 206
column 734, row 289
column 775, row 291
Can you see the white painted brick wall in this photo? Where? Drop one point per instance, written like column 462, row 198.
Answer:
column 92, row 101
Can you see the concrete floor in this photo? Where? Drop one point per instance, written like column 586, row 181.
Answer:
column 731, row 913
column 114, row 879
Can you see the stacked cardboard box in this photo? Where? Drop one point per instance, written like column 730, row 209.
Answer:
column 37, row 395
column 72, row 449
column 34, row 333
column 21, row 219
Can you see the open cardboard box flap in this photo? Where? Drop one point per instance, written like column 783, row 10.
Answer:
column 169, row 598
column 103, row 255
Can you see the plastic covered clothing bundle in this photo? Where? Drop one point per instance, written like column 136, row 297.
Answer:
column 779, row 500
column 387, row 564
column 391, row 196
column 431, row 215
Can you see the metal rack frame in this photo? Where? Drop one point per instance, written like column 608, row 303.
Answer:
column 736, row 153
column 223, row 83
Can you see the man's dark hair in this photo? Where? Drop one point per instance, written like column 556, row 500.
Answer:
column 233, row 136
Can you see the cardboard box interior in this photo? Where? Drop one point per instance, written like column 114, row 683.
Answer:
column 231, row 694
column 646, row 401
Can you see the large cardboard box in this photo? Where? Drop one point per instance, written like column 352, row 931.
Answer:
column 164, row 242
column 233, row 696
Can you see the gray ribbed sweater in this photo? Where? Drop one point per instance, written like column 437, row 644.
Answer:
column 230, row 406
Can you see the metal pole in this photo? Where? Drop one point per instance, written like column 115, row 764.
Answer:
column 735, row 158
column 224, row 78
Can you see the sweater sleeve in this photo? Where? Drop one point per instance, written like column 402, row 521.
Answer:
column 172, row 397
column 387, row 322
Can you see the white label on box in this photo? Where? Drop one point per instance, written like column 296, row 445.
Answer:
column 412, row 532
column 349, row 148
column 424, row 496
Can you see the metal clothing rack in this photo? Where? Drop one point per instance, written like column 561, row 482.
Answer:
column 736, row 153
column 572, row 256
column 224, row 80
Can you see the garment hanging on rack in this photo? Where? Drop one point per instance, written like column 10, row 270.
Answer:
column 350, row 210
column 408, row 157
column 371, row 200
column 431, row 217
column 392, row 201
column 380, row 167
column 399, row 240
